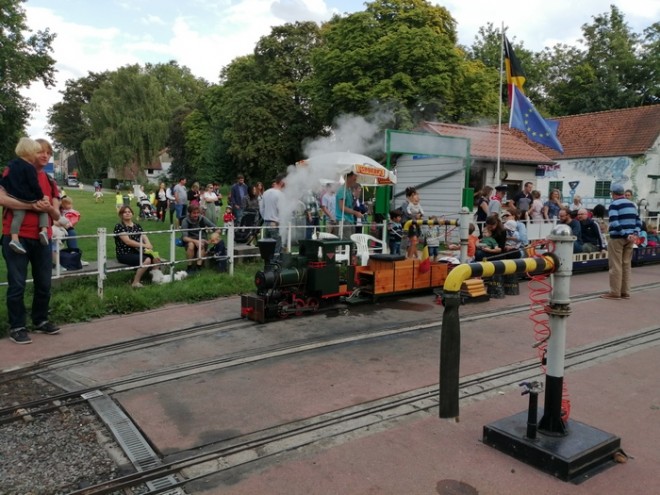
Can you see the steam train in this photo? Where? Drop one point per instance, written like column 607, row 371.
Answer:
column 296, row 285
column 302, row 284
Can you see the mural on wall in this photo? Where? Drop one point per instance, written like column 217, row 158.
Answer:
column 579, row 177
column 604, row 168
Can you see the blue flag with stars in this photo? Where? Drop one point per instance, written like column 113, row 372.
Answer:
column 526, row 118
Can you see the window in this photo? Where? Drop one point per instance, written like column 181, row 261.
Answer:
column 602, row 189
column 556, row 184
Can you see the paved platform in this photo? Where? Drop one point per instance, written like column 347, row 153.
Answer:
column 420, row 455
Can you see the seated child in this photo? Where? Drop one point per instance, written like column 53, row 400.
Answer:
column 513, row 242
column 653, row 238
column 71, row 218
column 394, row 232
column 432, row 237
column 217, row 249
column 487, row 241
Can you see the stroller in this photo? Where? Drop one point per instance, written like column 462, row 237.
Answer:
column 247, row 232
column 147, row 210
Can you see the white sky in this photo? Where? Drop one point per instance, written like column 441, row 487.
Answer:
column 205, row 35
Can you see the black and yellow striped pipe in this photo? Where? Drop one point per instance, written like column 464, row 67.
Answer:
column 460, row 273
column 441, row 222
column 450, row 336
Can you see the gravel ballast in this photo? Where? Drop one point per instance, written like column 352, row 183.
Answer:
column 56, row 452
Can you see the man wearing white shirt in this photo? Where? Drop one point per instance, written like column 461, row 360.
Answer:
column 269, row 208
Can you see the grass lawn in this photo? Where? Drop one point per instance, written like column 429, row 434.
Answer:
column 75, row 299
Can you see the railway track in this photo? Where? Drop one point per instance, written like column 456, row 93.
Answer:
column 54, row 370
column 263, row 445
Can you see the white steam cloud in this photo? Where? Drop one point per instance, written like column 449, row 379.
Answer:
column 351, row 133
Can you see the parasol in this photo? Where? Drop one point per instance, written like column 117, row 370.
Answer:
column 338, row 164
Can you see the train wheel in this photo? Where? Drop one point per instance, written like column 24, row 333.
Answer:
column 299, row 304
column 313, row 303
column 282, row 307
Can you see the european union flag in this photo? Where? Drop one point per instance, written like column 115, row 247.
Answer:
column 526, row 118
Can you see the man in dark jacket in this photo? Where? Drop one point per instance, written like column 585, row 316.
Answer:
column 592, row 237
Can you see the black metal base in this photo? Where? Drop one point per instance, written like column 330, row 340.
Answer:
column 583, row 450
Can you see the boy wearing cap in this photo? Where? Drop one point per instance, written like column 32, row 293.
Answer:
column 624, row 227
column 495, row 205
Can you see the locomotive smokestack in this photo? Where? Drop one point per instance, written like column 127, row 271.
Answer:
column 266, row 249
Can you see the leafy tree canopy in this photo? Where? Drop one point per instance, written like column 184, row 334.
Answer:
column 24, row 58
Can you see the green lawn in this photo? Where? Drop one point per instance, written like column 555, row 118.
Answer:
column 75, row 299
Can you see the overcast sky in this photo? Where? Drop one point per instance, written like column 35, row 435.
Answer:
column 205, row 35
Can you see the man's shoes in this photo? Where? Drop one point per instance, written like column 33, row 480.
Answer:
column 48, row 328
column 19, row 336
column 17, row 247
column 43, row 238
column 625, row 296
column 609, row 295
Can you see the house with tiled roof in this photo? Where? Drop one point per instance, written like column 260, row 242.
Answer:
column 441, row 179
column 602, row 148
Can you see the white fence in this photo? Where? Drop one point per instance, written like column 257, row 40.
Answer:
column 176, row 255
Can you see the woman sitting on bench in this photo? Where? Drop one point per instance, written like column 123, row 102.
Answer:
column 129, row 237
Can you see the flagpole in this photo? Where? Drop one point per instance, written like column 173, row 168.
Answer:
column 499, row 117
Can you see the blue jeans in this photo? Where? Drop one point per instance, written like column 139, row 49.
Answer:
column 17, row 269
column 180, row 211
column 71, row 243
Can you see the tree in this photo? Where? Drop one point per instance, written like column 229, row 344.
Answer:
column 259, row 117
column 68, row 127
column 23, row 60
column 610, row 73
column 400, row 55
column 129, row 115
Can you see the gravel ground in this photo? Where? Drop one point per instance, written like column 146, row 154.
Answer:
column 56, row 453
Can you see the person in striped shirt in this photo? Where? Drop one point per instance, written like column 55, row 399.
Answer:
column 624, row 227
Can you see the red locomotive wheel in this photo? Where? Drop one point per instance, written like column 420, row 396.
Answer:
column 299, row 303
column 282, row 307
column 313, row 303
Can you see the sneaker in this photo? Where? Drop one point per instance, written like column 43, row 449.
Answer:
column 19, row 336
column 84, row 263
column 17, row 247
column 48, row 328
column 137, row 286
column 43, row 238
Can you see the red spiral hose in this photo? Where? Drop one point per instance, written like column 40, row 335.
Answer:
column 539, row 290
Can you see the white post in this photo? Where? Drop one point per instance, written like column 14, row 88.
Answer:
column 101, row 257
column 464, row 232
column 386, row 246
column 172, row 250
column 230, row 250
column 558, row 311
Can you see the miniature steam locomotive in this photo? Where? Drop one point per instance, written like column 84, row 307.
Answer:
column 295, row 285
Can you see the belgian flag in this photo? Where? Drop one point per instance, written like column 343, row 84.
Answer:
column 515, row 76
